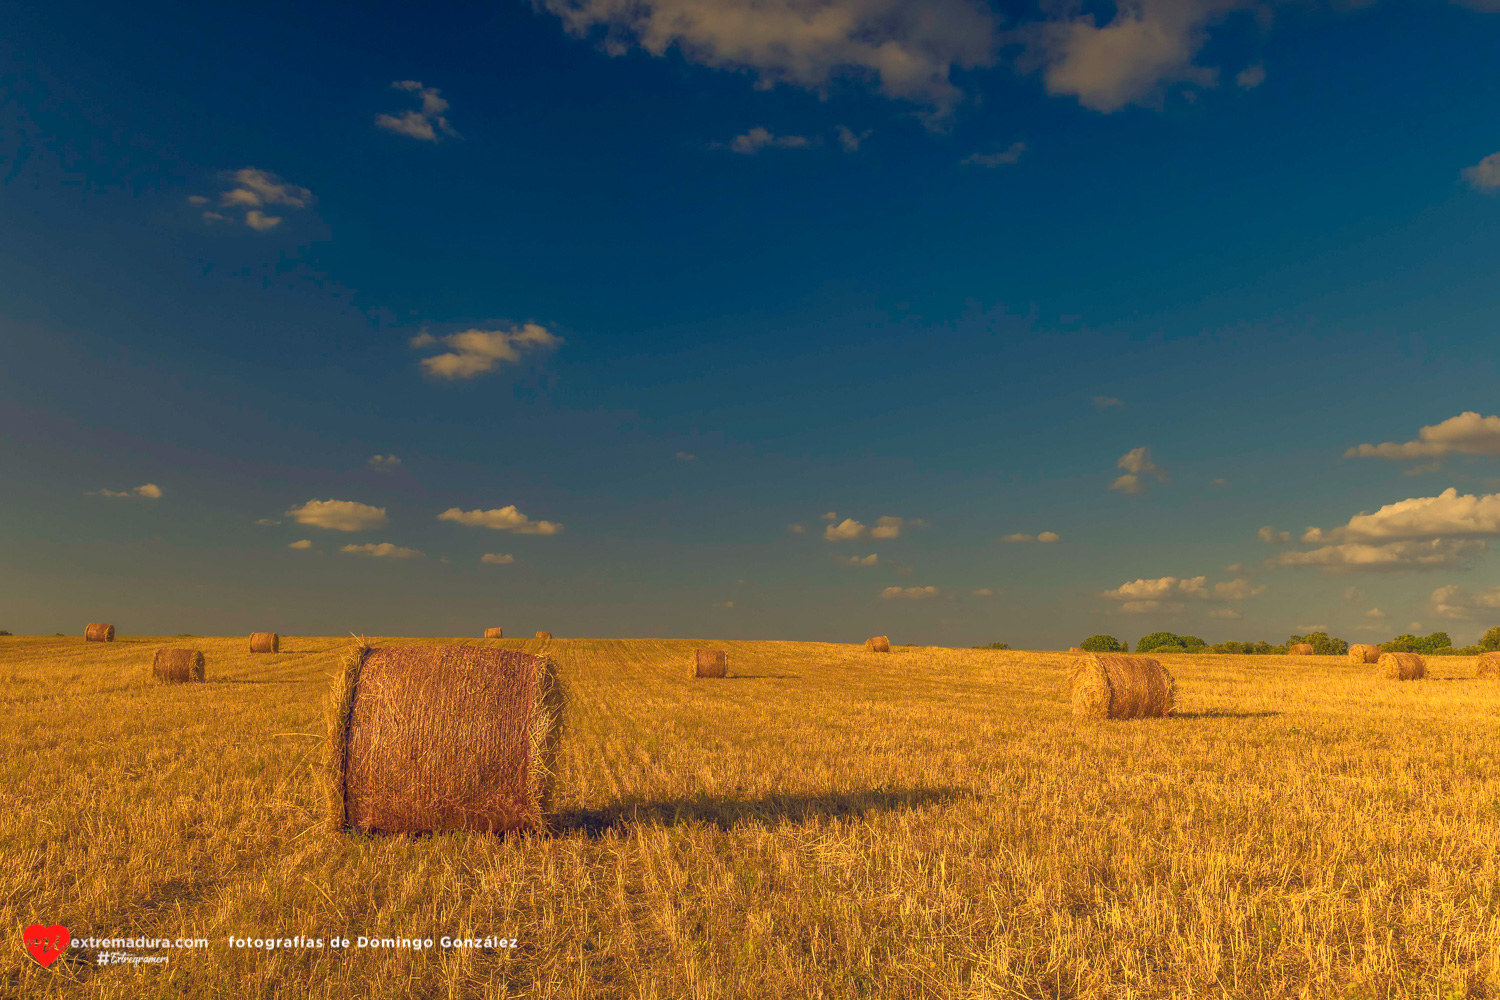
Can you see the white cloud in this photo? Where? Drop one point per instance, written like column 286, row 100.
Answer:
column 384, row 550
column 1466, row 434
column 846, row 530
column 268, row 521
column 475, row 352
column 1228, row 614
column 830, row 516
column 304, row 543
column 910, row 593
column 251, row 190
column 1357, row 557
column 1107, row 402
column 1375, row 613
column 497, row 558
column 501, row 519
column 1457, row 604
column 796, row 529
column 423, row 339
column 424, row 124
column 870, row 560
column 1354, row 594
column 684, row 456
column 906, row 50
column 759, row 138
column 1237, row 590
column 1484, row 175
column 984, row 592
column 1235, row 568
column 1195, row 587
column 1143, row 589
column 1148, row 43
column 1446, row 515
column 891, row 527
column 260, row 221
column 1151, row 607
column 148, row 490
column 1274, row 537
column 338, row 515
column 1004, row 158
column 1250, row 77
column 850, row 139
column 1136, row 462
column 1046, row 537
column 384, row 463
column 1019, row 536
column 197, row 200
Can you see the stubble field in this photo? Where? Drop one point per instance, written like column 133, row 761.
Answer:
column 825, row 823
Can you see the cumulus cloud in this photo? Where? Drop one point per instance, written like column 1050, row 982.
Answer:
column 1107, row 403
column 830, row 516
column 303, row 543
column 759, row 138
column 891, row 527
column 497, row 558
column 1137, row 463
column 910, row 593
column 475, row 352
column 384, row 463
column 1004, row 158
column 1272, row 536
column 1484, row 175
column 1194, row 587
column 1376, row 614
column 383, row 550
column 1466, row 434
column 267, row 521
column 251, row 190
column 846, row 530
column 850, row 140
column 1046, row 537
column 1353, row 594
column 1457, row 604
column 338, row 515
column 501, row 519
column 1151, row 607
column 426, row 123
column 1227, row 614
column 1446, row 515
column 148, row 490
column 984, row 592
column 870, row 560
column 796, row 529
column 1358, row 557
column 1250, row 77
column 906, row 50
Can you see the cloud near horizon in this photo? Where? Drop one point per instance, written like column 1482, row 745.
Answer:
column 338, row 515
column 1143, row 595
column 382, row 550
column 497, row 558
column 910, row 593
column 1466, row 434
column 148, row 490
column 1456, row 604
column 506, row 518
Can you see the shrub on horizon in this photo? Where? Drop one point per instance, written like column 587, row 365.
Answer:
column 1103, row 644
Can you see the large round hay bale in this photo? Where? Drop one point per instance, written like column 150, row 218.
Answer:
column 178, row 666
column 1118, row 686
column 1403, row 666
column 1361, row 653
column 1076, row 649
column 265, row 642
column 99, row 633
column 430, row 738
column 1487, row 665
column 878, row 644
column 544, row 635
column 1300, row 649
column 494, row 633
column 710, row 663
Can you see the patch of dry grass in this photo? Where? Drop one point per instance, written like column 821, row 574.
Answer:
column 823, row 823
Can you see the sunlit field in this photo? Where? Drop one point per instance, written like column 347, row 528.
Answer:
column 825, row 822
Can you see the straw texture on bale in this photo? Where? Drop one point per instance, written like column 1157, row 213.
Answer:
column 265, row 642
column 99, row 633
column 1403, row 666
column 544, row 635
column 1117, row 686
column 1487, row 665
column 430, row 738
column 1361, row 653
column 878, row 644
column 494, row 633
column 1300, row 649
column 1075, row 649
column 178, row 666
column 710, row 663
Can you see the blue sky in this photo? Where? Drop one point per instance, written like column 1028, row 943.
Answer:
column 682, row 281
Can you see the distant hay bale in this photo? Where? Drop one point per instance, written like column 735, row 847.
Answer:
column 1360, row 653
column 878, row 644
column 1117, row 686
column 710, row 663
column 544, row 635
column 265, row 642
column 1300, row 649
column 430, row 738
column 1402, row 666
column 178, row 666
column 99, row 633
column 1487, row 665
column 1076, row 649
column 494, row 633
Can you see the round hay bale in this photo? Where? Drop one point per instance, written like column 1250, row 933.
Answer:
column 265, row 642
column 1300, row 649
column 430, row 738
column 1402, row 666
column 177, row 666
column 494, row 633
column 1118, row 686
column 878, row 644
column 1360, row 653
column 99, row 633
column 710, row 663
column 544, row 635
column 1487, row 665
column 1076, row 649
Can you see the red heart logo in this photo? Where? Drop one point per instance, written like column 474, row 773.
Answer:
column 46, row 943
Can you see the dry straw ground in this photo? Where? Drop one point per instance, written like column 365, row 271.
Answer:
column 828, row 824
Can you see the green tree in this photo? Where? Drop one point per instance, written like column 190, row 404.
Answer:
column 1161, row 640
column 1322, row 643
column 995, row 645
column 1403, row 643
column 1103, row 644
column 1491, row 639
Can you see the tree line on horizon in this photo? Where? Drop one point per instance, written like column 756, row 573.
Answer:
column 1436, row 644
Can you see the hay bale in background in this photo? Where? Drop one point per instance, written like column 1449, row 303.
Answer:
column 878, row 644
column 1360, row 653
column 99, row 633
column 494, row 633
column 1300, row 649
column 1487, row 665
column 265, row 642
column 430, row 738
column 1076, row 649
column 544, row 635
column 1117, row 686
column 710, row 663
column 178, row 666
column 1403, row 666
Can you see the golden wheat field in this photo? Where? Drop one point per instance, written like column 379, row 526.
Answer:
column 826, row 822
